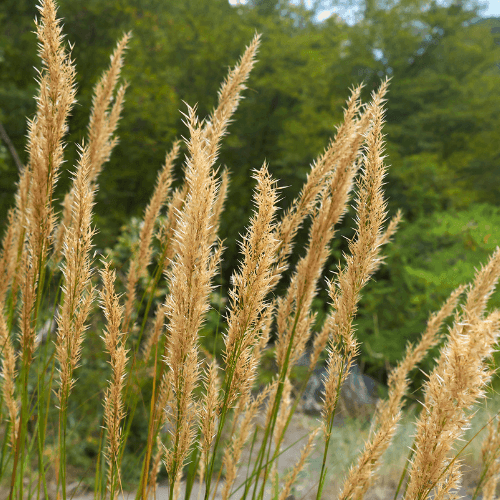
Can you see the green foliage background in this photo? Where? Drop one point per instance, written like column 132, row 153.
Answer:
column 443, row 124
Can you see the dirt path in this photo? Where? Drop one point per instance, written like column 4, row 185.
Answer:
column 347, row 441
column 295, row 438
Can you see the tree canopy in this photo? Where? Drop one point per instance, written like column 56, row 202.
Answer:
column 443, row 121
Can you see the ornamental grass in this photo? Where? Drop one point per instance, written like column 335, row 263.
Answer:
column 203, row 409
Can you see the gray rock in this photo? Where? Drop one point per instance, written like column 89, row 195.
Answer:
column 357, row 394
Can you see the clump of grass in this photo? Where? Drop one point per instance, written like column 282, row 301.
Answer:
column 206, row 402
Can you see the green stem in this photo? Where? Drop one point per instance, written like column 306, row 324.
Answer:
column 62, row 444
column 141, row 492
column 4, row 449
column 268, row 463
column 135, row 399
column 193, row 466
column 191, row 476
column 322, row 476
column 228, row 380
column 23, row 420
column 403, row 474
column 290, row 415
column 42, row 416
column 276, row 405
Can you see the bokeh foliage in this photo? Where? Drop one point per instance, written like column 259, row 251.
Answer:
column 443, row 123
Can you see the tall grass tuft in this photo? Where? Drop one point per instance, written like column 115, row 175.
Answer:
column 203, row 411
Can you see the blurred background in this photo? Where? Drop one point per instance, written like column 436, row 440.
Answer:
column 443, row 124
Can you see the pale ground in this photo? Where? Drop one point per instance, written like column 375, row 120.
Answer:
column 300, row 427
column 305, row 489
column 347, row 441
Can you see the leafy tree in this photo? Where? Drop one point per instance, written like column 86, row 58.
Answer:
column 428, row 259
column 17, row 86
column 442, row 126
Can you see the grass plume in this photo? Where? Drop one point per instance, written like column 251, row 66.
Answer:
column 204, row 410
